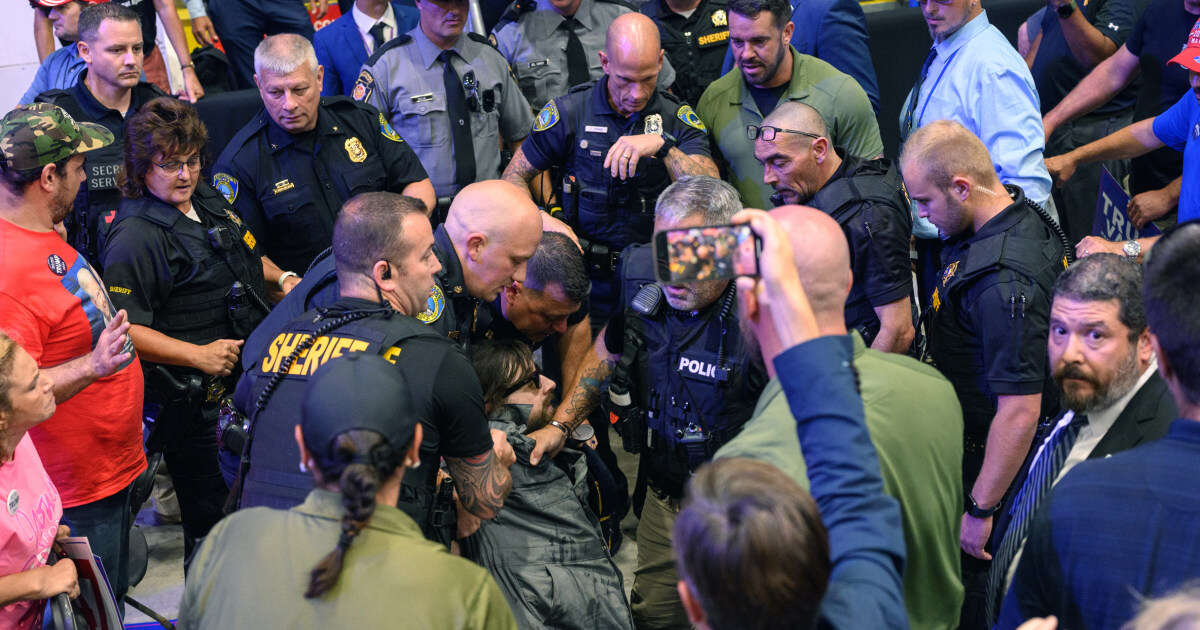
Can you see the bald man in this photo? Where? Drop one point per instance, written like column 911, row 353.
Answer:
column 802, row 165
column 989, row 312
column 911, row 410
column 619, row 142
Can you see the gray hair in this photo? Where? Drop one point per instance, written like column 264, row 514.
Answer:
column 282, row 54
column 713, row 200
column 1105, row 277
column 1178, row 610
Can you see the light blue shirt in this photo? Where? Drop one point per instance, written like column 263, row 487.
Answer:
column 980, row 81
column 59, row 71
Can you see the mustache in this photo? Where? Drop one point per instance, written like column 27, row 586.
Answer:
column 1072, row 371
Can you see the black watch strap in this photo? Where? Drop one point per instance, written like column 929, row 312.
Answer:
column 977, row 512
column 669, row 142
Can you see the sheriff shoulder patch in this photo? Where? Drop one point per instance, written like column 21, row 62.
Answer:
column 386, row 129
column 690, row 118
column 547, row 117
column 226, row 185
column 434, row 305
column 363, row 86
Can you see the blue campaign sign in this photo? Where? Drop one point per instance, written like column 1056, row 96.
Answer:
column 1112, row 213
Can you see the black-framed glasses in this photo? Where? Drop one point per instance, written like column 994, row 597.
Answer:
column 534, row 379
column 176, row 166
column 471, row 90
column 767, row 132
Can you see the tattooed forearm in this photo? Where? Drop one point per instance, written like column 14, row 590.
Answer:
column 680, row 164
column 592, row 384
column 482, row 483
column 519, row 171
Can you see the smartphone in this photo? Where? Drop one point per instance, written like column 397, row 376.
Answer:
column 711, row 252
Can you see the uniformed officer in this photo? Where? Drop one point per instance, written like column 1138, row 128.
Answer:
column 681, row 385
column 990, row 310
column 552, row 46
column 619, row 142
column 864, row 196
column 190, row 276
column 695, row 35
column 288, row 171
column 450, row 94
column 382, row 282
column 110, row 41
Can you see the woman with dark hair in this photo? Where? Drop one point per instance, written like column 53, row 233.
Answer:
column 190, row 276
column 545, row 548
column 268, row 568
column 31, row 524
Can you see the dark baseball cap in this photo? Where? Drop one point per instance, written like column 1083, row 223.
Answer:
column 358, row 391
column 32, row 136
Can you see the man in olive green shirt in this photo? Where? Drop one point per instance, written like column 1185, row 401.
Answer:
column 770, row 71
column 913, row 416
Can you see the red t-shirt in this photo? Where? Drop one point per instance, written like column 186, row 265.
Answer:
column 53, row 303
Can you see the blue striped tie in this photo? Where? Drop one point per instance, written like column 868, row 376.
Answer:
column 1037, row 485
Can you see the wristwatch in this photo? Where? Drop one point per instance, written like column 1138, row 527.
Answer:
column 669, row 142
column 974, row 510
column 1132, row 249
column 1065, row 10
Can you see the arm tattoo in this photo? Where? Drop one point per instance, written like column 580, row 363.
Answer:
column 482, row 483
column 680, row 164
column 587, row 393
column 519, row 171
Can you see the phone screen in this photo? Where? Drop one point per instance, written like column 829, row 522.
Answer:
column 711, row 252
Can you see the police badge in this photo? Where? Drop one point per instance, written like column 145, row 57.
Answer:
column 355, row 150
column 654, row 124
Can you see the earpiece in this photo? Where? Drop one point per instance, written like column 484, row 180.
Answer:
column 387, row 272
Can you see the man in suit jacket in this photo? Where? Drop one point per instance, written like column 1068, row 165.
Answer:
column 1098, row 333
column 345, row 44
column 1113, row 398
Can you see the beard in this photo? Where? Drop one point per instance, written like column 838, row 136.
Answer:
column 61, row 204
column 1101, row 395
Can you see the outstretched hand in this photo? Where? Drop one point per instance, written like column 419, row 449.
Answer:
column 111, row 351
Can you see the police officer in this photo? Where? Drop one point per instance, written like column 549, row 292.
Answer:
column 681, row 385
column 619, row 141
column 289, row 169
column 382, row 282
column 110, row 41
column 190, row 275
column 695, row 34
column 450, row 94
column 865, row 197
column 989, row 312
column 552, row 46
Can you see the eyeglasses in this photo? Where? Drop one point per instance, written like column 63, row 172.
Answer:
column 176, row 166
column 534, row 379
column 767, row 132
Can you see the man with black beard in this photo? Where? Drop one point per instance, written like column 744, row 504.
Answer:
column 1112, row 394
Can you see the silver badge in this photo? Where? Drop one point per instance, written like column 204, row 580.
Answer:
column 654, row 124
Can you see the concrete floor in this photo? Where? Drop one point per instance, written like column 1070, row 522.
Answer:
column 162, row 587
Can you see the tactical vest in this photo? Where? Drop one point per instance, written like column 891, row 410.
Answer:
column 273, row 479
column 203, row 308
column 607, row 209
column 955, row 343
column 692, row 377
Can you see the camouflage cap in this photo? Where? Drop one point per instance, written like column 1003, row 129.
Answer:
column 35, row 135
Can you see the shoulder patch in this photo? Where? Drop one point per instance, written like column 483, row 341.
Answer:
column 482, row 40
column 434, row 306
column 385, row 129
column 363, row 86
column 227, row 185
column 690, row 118
column 547, row 117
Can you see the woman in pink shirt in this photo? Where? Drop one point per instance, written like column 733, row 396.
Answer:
column 31, row 510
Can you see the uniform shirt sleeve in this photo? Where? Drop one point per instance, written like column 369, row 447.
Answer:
column 883, row 247
column 1014, row 346
column 515, row 117
column 459, row 398
column 1115, row 19
column 402, row 165
column 373, row 81
column 688, row 138
column 1173, row 126
column 842, row 43
column 136, row 271
column 547, row 147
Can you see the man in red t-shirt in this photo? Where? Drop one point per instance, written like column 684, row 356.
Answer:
column 53, row 304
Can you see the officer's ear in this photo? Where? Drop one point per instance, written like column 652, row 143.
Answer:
column 85, row 53
column 382, row 273
column 820, row 149
column 603, row 60
column 788, row 29
column 960, row 187
column 320, row 74
column 476, row 243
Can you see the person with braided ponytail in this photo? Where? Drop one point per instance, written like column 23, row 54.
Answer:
column 263, row 567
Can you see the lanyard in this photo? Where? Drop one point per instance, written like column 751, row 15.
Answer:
column 921, row 115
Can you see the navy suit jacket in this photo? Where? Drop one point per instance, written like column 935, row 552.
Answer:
column 341, row 51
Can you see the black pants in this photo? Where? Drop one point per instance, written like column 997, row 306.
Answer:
column 1076, row 199
column 189, row 445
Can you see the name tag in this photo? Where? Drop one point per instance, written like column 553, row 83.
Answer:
column 422, row 98
column 595, row 129
column 595, row 153
column 538, row 64
column 283, row 186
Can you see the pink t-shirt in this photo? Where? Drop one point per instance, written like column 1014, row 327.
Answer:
column 29, row 521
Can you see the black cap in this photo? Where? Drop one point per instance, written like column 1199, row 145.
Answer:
column 357, row 391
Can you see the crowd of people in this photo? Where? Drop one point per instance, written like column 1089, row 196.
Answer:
column 385, row 338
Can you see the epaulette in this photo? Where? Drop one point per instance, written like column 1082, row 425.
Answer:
column 398, row 40
column 249, row 129
column 587, row 85
column 483, row 40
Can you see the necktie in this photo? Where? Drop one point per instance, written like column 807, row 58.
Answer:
column 1037, row 486
column 577, row 64
column 460, row 123
column 376, row 34
column 906, row 127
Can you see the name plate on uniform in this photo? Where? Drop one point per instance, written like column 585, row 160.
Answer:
column 421, row 98
column 538, row 64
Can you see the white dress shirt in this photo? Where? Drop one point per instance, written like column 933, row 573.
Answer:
column 364, row 23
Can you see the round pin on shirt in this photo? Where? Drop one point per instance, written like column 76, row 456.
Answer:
column 14, row 500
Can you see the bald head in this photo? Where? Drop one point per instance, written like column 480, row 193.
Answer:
column 798, row 116
column 632, row 35
column 945, row 149
column 822, row 258
column 495, row 228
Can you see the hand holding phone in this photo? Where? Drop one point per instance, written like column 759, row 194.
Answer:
column 710, row 252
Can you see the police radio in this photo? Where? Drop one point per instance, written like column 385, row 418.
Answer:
column 628, row 419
